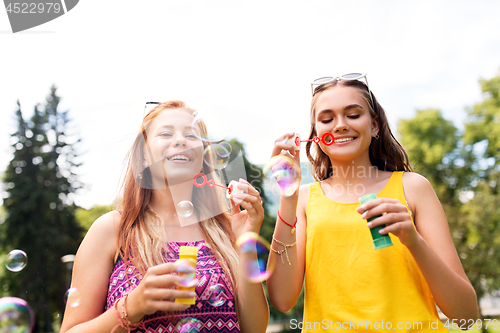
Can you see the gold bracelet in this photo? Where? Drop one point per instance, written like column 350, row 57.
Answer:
column 284, row 250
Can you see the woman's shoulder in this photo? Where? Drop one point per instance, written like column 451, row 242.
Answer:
column 103, row 234
column 304, row 191
column 413, row 181
column 106, row 224
column 416, row 187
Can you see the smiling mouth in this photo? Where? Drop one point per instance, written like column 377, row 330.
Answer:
column 179, row 157
column 341, row 140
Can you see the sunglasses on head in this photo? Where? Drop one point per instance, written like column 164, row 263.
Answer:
column 146, row 105
column 347, row 77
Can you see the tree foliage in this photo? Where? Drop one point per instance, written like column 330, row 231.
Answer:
column 463, row 168
column 40, row 215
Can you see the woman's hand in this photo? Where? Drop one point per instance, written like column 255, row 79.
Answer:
column 156, row 293
column 394, row 215
column 292, row 163
column 251, row 218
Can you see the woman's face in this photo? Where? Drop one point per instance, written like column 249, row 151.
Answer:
column 173, row 151
column 343, row 112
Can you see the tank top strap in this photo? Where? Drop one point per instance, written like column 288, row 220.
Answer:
column 394, row 187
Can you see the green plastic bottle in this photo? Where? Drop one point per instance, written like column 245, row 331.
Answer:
column 379, row 241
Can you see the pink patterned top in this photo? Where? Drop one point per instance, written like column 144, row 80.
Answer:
column 204, row 316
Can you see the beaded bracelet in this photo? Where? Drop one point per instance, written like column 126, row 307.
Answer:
column 288, row 224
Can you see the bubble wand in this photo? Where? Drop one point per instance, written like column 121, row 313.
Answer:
column 327, row 139
column 211, row 183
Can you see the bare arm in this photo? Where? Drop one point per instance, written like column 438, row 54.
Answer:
column 286, row 282
column 430, row 244
column 436, row 255
column 252, row 303
column 91, row 272
column 94, row 263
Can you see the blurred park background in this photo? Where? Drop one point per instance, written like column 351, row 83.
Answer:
column 73, row 93
column 39, row 217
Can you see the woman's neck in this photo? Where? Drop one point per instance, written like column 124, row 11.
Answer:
column 355, row 171
column 165, row 202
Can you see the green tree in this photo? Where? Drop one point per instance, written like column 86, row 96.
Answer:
column 464, row 172
column 431, row 143
column 483, row 121
column 85, row 217
column 40, row 214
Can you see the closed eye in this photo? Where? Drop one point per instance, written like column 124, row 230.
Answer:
column 354, row 116
column 165, row 134
column 326, row 121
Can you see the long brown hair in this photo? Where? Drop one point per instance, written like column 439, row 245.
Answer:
column 386, row 153
column 139, row 241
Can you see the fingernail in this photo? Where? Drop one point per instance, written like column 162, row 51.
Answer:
column 369, row 224
column 192, row 294
column 381, row 231
column 363, row 216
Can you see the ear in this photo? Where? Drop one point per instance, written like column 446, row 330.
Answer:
column 375, row 127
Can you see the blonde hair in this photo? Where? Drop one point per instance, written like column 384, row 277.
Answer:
column 138, row 240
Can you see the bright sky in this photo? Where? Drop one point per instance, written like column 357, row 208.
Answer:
column 253, row 59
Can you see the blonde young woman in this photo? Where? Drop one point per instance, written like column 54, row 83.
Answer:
column 348, row 284
column 124, row 269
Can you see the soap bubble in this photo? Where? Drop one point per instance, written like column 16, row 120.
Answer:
column 257, row 264
column 16, row 260
column 16, row 315
column 188, row 325
column 186, row 268
column 216, row 156
column 227, row 146
column 185, row 208
column 72, row 297
column 217, row 295
column 283, row 174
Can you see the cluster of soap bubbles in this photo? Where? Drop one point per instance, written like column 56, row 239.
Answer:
column 283, row 174
column 16, row 315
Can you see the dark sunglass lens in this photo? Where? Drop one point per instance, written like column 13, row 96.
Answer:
column 352, row 76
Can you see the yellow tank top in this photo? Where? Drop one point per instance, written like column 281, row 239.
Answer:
column 350, row 286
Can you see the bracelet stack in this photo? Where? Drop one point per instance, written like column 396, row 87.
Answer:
column 123, row 321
